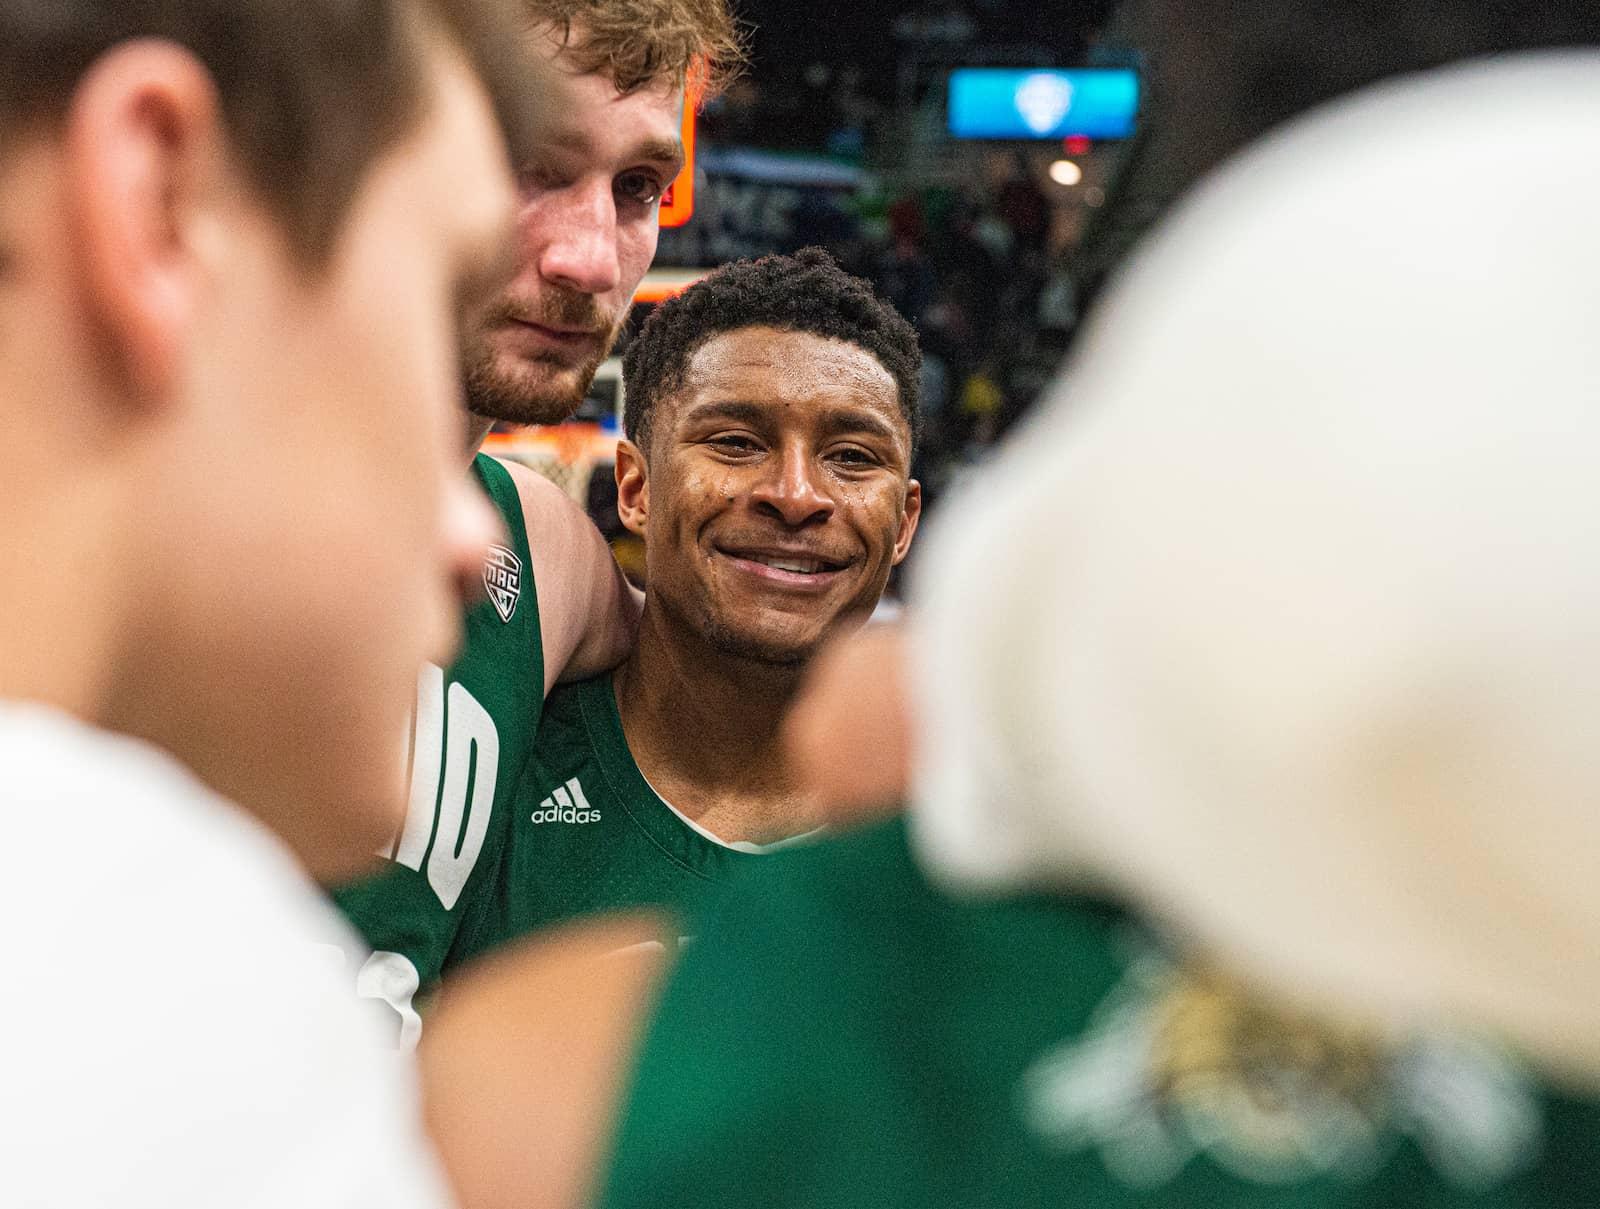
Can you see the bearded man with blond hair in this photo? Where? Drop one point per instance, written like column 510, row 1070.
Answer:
column 616, row 75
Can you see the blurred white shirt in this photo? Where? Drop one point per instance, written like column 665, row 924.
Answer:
column 171, row 1032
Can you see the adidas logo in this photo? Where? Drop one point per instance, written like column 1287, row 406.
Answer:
column 566, row 804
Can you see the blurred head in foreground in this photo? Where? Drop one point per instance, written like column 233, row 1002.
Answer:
column 1315, row 670
column 230, row 408
column 1223, row 73
column 1227, row 72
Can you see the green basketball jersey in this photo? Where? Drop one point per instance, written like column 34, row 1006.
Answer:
column 474, row 728
column 842, row 1034
column 588, row 834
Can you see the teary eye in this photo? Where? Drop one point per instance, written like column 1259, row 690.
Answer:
column 735, row 442
column 852, row 455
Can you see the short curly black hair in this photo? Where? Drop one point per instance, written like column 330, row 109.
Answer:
column 806, row 292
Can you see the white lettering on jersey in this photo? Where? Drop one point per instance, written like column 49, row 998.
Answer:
column 425, row 765
column 472, row 752
column 566, row 804
column 456, row 739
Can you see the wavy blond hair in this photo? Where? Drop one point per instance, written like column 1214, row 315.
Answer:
column 693, row 44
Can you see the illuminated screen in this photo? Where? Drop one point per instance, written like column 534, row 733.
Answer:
column 1006, row 103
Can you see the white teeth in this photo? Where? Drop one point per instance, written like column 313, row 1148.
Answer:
column 808, row 566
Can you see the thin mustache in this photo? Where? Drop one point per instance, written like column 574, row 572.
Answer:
column 562, row 311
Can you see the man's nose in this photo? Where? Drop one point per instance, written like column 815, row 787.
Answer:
column 574, row 233
column 793, row 490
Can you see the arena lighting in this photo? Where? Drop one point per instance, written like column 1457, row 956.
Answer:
column 677, row 203
column 660, row 284
column 1077, row 144
column 1042, row 103
column 1065, row 172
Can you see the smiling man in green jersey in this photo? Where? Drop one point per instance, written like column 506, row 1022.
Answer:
column 615, row 73
column 771, row 416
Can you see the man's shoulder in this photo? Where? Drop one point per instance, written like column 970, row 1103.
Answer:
column 158, row 866
column 586, row 613
column 501, row 659
column 846, row 902
column 870, row 870
column 581, row 761
column 186, row 951
column 128, row 813
column 554, row 525
column 567, row 704
column 537, row 502
column 1045, row 1045
column 526, row 482
column 864, row 897
column 565, row 742
column 508, row 484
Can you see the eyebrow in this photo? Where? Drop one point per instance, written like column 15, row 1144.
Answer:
column 654, row 151
column 838, row 419
column 728, row 409
column 835, row 420
column 660, row 151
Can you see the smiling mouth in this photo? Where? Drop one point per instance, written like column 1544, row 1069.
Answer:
column 788, row 568
column 800, row 566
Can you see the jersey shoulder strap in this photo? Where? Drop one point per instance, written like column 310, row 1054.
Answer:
column 502, row 490
column 508, row 570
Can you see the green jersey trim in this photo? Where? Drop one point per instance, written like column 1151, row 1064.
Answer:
column 673, row 834
column 461, row 797
column 501, row 488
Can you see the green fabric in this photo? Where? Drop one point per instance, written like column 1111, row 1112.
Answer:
column 588, row 834
column 490, row 697
column 842, row 1034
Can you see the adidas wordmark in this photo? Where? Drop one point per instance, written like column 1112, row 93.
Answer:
column 566, row 804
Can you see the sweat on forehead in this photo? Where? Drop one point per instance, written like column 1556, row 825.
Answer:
column 806, row 292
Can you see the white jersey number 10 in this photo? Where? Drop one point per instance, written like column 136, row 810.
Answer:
column 456, row 753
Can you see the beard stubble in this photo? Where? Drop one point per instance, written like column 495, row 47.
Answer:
column 544, row 389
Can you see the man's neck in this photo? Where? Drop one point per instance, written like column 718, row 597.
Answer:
column 477, row 429
column 703, row 726
column 59, row 599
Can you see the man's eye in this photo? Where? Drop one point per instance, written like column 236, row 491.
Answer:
column 852, row 456
column 734, row 443
column 641, row 188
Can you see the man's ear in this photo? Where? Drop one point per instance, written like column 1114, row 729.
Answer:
column 633, row 488
column 144, row 149
column 908, row 521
